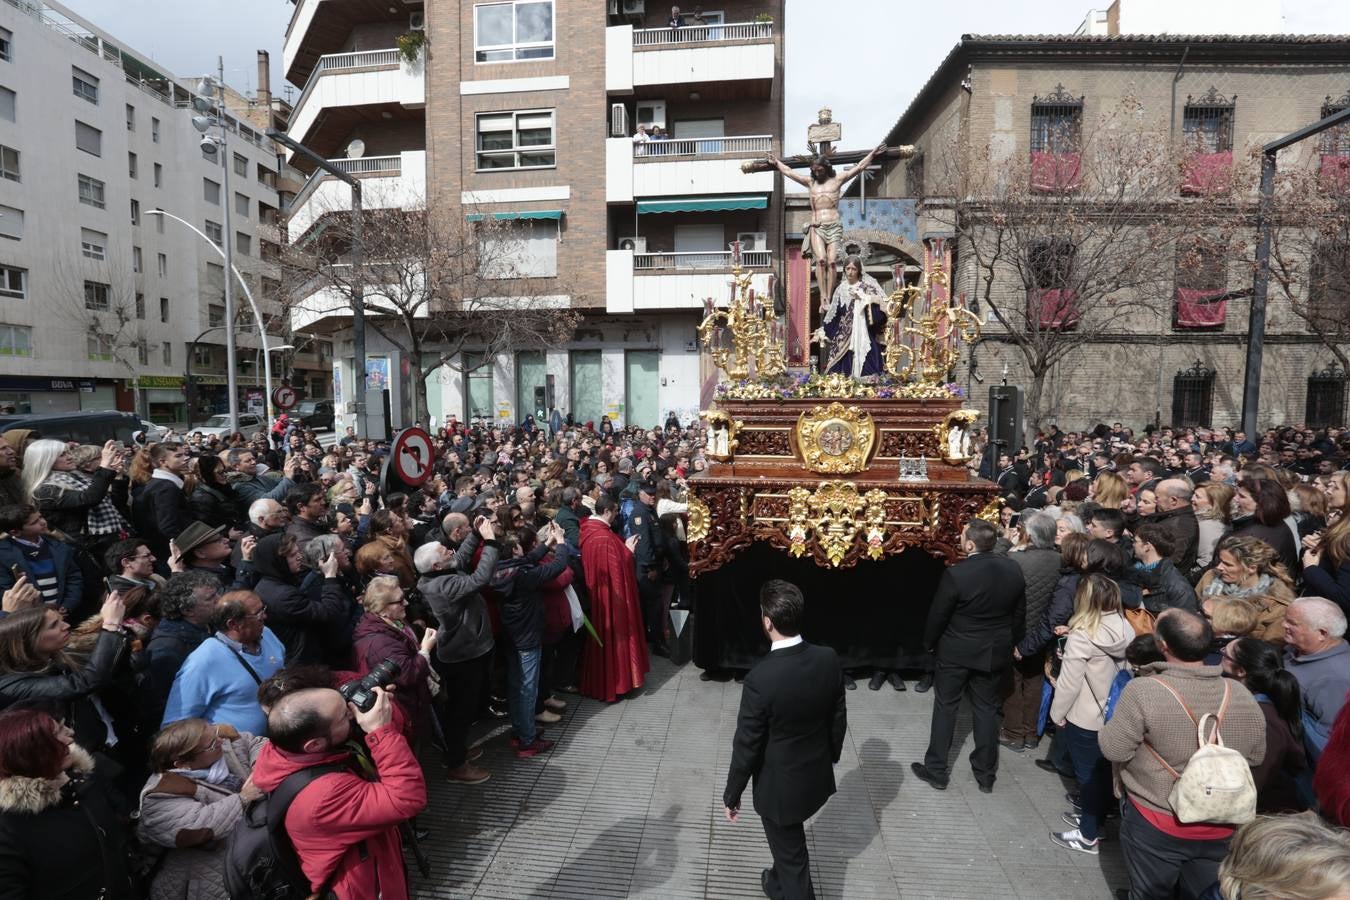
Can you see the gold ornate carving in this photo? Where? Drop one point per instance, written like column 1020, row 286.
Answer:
column 799, row 521
column 930, row 345
column 836, row 439
column 700, row 520
column 990, row 513
column 722, row 431
column 954, row 434
column 875, row 519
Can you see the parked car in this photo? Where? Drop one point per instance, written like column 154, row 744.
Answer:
column 85, row 427
column 250, row 426
column 155, row 433
column 314, row 413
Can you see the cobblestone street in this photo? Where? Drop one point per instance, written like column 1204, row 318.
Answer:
column 629, row 805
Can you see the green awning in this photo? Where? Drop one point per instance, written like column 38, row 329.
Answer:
column 524, row 214
column 702, row 204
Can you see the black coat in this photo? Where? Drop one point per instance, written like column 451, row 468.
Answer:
column 1164, row 587
column 1278, row 536
column 62, row 844
column 298, row 619
column 1182, row 526
column 69, row 690
column 789, row 733
column 978, row 613
column 66, row 510
column 159, row 513
column 213, row 505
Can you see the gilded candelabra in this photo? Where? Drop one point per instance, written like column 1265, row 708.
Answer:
column 751, row 324
column 937, row 332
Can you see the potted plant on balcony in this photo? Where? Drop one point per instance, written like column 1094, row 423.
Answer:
column 763, row 18
column 410, row 45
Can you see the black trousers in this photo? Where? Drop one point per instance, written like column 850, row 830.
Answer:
column 950, row 682
column 462, row 687
column 1162, row 867
column 649, row 595
column 790, row 878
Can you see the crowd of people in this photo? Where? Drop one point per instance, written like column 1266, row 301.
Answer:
column 1171, row 590
column 190, row 627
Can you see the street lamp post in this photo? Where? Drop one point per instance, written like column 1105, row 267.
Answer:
column 211, row 103
column 358, row 250
column 1265, row 216
column 229, row 321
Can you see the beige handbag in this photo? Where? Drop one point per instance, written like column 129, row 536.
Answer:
column 1215, row 787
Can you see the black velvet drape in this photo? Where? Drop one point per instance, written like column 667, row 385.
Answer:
column 872, row 614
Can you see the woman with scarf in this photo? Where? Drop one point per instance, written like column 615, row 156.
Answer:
column 1248, row 567
column 78, row 505
column 383, row 633
column 212, row 502
column 61, row 834
column 197, row 792
column 299, row 619
column 852, row 324
column 159, row 499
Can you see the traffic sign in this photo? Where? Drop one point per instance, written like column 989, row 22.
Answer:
column 284, row 397
column 411, row 456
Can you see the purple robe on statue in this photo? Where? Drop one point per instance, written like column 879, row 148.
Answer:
column 853, row 329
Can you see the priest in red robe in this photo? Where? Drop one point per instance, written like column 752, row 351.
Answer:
column 621, row 665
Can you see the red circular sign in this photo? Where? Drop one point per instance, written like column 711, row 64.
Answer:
column 412, row 456
column 284, row 397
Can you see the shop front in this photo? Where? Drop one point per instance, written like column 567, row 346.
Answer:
column 24, row 394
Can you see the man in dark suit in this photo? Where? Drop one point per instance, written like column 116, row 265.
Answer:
column 977, row 615
column 789, row 734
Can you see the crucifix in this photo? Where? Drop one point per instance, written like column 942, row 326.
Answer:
column 825, row 234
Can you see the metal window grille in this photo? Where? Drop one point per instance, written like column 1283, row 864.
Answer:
column 1193, row 396
column 1335, row 141
column 1050, row 262
column 1056, row 122
column 1326, row 397
column 1208, row 121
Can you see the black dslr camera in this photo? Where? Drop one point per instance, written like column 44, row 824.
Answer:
column 361, row 693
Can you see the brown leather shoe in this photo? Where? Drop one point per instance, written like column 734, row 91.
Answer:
column 468, row 774
column 474, row 754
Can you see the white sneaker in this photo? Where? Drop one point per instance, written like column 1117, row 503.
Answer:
column 1074, row 840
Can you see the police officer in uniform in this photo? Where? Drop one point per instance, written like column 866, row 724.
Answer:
column 643, row 523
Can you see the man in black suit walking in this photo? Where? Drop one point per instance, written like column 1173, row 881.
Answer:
column 789, row 734
column 976, row 618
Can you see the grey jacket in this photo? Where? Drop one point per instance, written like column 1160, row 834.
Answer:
column 455, row 597
column 1323, row 680
column 192, row 828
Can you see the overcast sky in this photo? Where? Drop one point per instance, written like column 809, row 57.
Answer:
column 866, row 60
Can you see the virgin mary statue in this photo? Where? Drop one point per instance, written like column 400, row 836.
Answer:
column 853, row 324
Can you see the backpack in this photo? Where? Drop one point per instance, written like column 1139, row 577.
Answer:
column 1215, row 786
column 260, row 861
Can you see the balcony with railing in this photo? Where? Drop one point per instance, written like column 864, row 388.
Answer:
column 364, row 78
column 387, row 182
column 684, row 167
column 693, row 54
column 674, row 281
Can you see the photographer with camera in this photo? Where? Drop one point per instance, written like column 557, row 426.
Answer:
column 344, row 824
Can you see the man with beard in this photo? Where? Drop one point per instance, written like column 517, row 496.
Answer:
column 825, row 234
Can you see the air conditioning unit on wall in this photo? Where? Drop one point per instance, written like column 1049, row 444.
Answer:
column 753, row 240
column 618, row 120
column 417, row 21
column 636, row 244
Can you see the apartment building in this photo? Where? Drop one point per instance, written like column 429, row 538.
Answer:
column 527, row 110
column 104, row 303
column 1181, row 361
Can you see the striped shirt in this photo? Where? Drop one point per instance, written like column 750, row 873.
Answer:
column 41, row 568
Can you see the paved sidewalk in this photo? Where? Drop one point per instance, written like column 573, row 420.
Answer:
column 629, row 805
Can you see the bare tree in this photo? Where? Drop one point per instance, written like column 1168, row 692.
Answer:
column 436, row 283
column 1073, row 242
column 1310, row 243
column 101, row 298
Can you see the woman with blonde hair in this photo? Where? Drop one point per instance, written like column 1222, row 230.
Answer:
column 1338, row 496
column 1213, row 505
column 1296, row 857
column 1093, row 654
column 1326, row 564
column 1249, row 567
column 200, row 784
column 1109, row 490
column 383, row 633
